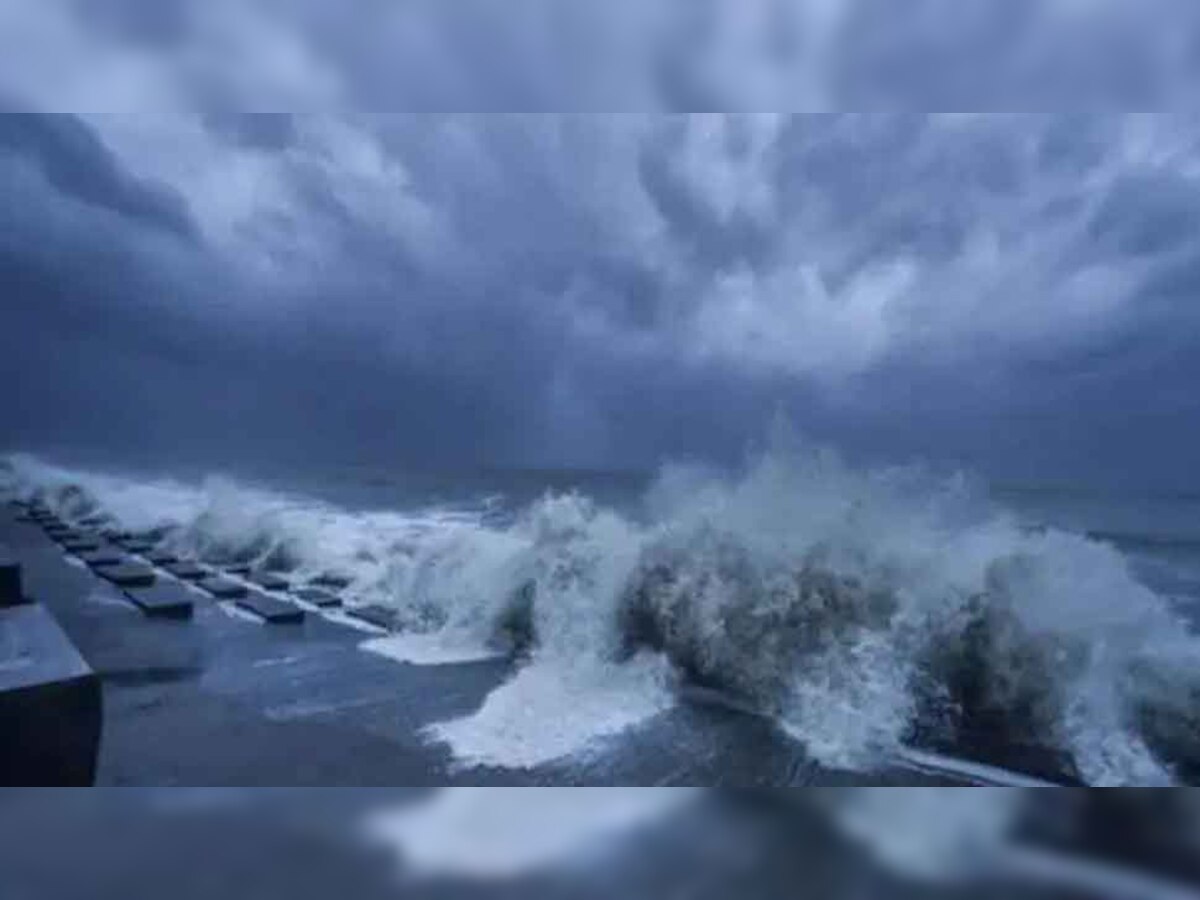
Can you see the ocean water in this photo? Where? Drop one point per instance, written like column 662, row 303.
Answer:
column 864, row 610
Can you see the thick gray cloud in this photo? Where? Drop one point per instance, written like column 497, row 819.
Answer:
column 78, row 165
column 187, row 275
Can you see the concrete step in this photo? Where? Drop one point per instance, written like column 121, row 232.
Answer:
column 271, row 609
column 164, row 599
column 318, row 597
column 186, row 570
column 136, row 545
column 79, row 545
column 379, row 616
column 104, row 556
column 223, row 588
column 270, row 581
column 128, row 575
column 330, row 580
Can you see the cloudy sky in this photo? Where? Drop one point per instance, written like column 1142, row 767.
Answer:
column 1015, row 292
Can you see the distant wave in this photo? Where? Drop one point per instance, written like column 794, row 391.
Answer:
column 863, row 610
column 1135, row 540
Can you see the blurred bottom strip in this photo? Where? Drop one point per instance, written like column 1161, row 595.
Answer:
column 598, row 842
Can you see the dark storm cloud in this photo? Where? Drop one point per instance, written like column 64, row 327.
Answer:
column 117, row 335
column 80, row 166
column 89, row 351
column 86, row 249
column 1011, row 291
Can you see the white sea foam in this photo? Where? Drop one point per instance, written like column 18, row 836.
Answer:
column 435, row 649
column 553, row 709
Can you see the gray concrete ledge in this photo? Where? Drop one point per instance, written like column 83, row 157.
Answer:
column 270, row 609
column 379, row 616
column 50, row 707
column 318, row 597
column 135, row 545
column 128, row 575
column 330, row 580
column 186, row 570
column 223, row 588
column 164, row 599
column 270, row 581
column 79, row 545
column 104, row 556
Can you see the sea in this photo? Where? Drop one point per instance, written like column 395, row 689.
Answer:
column 863, row 609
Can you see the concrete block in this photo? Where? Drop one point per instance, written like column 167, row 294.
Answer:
column 330, row 580
column 271, row 609
column 128, row 575
column 161, row 557
column 77, row 545
column 50, row 703
column 186, row 570
column 136, row 545
column 164, row 600
column 104, row 556
column 379, row 616
column 318, row 597
column 11, row 593
column 270, row 581
column 223, row 588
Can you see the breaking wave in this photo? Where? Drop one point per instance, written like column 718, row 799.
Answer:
column 863, row 610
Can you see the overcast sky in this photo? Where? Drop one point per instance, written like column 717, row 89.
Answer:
column 1017, row 293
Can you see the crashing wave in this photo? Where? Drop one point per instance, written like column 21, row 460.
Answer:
column 863, row 610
